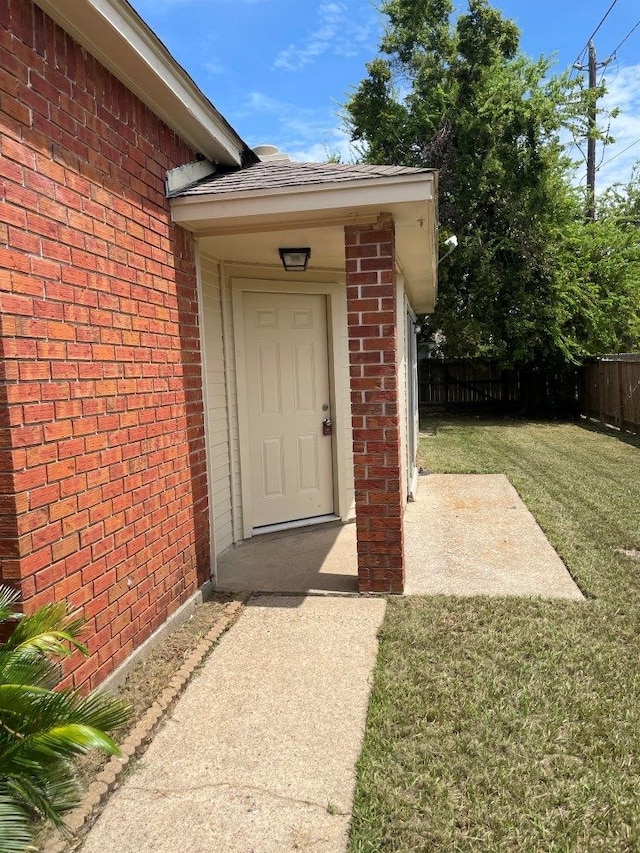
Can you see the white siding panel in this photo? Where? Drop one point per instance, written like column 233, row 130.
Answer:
column 232, row 414
column 402, row 380
column 217, row 409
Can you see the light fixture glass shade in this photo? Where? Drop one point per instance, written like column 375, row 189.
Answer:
column 295, row 260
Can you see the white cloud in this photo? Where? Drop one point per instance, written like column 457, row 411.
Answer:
column 259, row 102
column 335, row 142
column 214, row 67
column 340, row 30
column 306, row 135
column 619, row 158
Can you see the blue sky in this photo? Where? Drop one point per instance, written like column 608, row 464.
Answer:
column 279, row 70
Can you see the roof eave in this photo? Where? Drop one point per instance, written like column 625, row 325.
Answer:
column 411, row 199
column 115, row 34
column 303, row 198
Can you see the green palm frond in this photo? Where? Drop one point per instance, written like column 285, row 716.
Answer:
column 16, row 834
column 8, row 600
column 70, row 740
column 31, row 710
column 43, row 730
column 28, row 669
column 51, row 630
column 101, row 711
column 47, row 796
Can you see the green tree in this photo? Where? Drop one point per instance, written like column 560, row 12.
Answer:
column 460, row 97
column 614, row 256
column 43, row 730
column 598, row 272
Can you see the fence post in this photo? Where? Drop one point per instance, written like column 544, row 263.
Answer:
column 620, row 395
column 601, row 391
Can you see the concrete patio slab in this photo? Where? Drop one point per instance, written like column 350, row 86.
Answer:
column 471, row 534
column 258, row 755
column 466, row 534
column 320, row 558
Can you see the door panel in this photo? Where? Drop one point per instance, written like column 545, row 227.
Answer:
column 269, row 379
column 308, row 474
column 287, row 387
column 273, row 470
column 304, row 379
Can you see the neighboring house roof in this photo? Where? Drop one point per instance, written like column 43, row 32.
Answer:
column 113, row 32
column 277, row 174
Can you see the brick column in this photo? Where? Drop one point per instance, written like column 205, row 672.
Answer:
column 373, row 364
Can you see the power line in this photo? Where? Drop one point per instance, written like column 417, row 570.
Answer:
column 604, row 145
column 579, row 61
column 602, row 81
column 574, row 144
column 602, row 20
column 619, row 154
column 614, row 56
column 631, row 31
column 592, row 66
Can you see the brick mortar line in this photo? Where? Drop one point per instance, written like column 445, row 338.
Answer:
column 80, row 820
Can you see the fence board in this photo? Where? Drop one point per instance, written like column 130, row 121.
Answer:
column 610, row 391
column 606, row 389
column 470, row 384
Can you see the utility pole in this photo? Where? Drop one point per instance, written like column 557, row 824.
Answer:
column 591, row 140
column 592, row 67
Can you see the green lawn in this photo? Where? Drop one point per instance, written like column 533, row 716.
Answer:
column 502, row 724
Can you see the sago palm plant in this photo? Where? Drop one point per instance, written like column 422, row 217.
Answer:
column 43, row 730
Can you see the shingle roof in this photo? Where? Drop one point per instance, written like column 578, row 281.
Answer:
column 284, row 173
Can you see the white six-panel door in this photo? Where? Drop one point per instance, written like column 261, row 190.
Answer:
column 287, row 376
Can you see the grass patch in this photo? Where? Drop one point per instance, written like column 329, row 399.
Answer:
column 505, row 724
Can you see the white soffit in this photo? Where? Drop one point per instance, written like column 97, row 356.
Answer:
column 116, row 35
column 224, row 221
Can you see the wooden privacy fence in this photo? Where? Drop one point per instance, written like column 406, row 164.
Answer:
column 610, row 390
column 464, row 384
column 450, row 384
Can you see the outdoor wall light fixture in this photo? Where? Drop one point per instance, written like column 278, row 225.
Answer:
column 452, row 244
column 295, row 260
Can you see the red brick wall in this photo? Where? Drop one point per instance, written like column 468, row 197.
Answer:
column 103, row 497
column 373, row 358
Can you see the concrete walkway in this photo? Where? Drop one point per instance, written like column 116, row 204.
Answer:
column 258, row 755
column 465, row 534
column 471, row 534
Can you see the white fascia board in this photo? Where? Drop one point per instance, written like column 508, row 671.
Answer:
column 303, row 198
column 188, row 174
column 116, row 35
